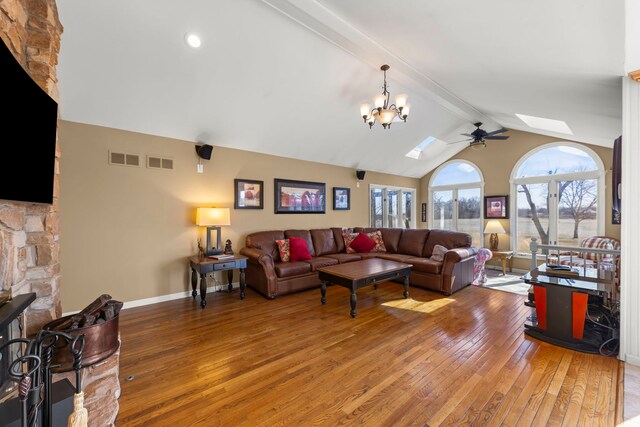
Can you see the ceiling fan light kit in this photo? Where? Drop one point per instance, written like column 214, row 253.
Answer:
column 383, row 111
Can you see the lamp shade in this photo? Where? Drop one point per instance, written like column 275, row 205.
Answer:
column 494, row 226
column 206, row 217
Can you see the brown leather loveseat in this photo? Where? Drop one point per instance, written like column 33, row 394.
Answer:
column 271, row 277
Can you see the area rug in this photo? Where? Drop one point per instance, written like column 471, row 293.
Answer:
column 510, row 282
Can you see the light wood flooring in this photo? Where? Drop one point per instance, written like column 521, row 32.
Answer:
column 429, row 360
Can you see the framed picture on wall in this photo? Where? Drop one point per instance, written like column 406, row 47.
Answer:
column 248, row 194
column 299, row 196
column 341, row 199
column 496, row 207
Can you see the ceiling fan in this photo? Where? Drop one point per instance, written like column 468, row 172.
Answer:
column 477, row 138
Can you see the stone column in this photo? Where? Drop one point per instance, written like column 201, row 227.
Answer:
column 29, row 233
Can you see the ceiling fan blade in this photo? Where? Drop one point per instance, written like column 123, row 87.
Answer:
column 467, row 134
column 501, row 138
column 496, row 132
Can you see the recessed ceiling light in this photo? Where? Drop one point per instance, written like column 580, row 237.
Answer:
column 545, row 124
column 193, row 40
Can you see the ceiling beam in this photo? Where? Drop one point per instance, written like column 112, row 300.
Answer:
column 319, row 19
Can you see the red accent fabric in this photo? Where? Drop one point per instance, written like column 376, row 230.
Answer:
column 283, row 247
column 298, row 250
column 540, row 296
column 363, row 243
column 579, row 313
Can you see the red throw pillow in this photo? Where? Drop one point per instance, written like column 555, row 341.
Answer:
column 363, row 243
column 298, row 249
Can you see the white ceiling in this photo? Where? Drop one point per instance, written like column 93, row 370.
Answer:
column 287, row 77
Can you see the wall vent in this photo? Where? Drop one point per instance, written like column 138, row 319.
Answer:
column 155, row 162
column 123, row 159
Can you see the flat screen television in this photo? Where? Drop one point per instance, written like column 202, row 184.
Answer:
column 28, row 125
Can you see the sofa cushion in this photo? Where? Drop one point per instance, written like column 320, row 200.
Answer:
column 448, row 239
column 395, row 257
column 362, row 243
column 321, row 261
column 285, row 250
column 364, row 229
column 266, row 242
column 337, row 235
column 302, row 234
column 412, row 242
column 298, row 249
column 425, row 265
column 324, row 241
column 342, row 258
column 391, row 237
column 288, row 269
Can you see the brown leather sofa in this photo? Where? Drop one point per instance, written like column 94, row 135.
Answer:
column 271, row 277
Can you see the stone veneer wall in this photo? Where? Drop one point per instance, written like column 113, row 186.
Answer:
column 29, row 233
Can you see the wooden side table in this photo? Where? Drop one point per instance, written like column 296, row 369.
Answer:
column 504, row 256
column 202, row 266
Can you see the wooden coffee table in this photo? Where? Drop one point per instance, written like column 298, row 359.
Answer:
column 355, row 275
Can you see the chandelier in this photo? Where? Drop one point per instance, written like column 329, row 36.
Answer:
column 382, row 111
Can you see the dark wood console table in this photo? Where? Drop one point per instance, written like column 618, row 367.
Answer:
column 202, row 266
column 357, row 274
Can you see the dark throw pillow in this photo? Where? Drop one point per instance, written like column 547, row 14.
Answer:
column 363, row 243
column 298, row 249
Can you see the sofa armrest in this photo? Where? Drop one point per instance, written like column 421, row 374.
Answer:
column 261, row 273
column 457, row 270
column 456, row 255
column 258, row 256
column 459, row 254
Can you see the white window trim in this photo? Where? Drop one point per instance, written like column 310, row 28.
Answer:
column 599, row 174
column 454, row 188
column 385, row 208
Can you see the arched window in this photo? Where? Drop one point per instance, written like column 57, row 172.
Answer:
column 558, row 191
column 455, row 194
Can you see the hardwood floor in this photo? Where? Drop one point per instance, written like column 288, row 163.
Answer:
column 429, row 360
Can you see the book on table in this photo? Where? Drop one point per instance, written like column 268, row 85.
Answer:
column 221, row 256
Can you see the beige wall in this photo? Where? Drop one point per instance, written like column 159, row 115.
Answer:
column 128, row 231
column 496, row 162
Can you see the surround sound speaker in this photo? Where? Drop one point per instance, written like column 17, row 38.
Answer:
column 360, row 174
column 204, row 151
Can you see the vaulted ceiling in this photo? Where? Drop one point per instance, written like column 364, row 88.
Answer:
column 287, row 77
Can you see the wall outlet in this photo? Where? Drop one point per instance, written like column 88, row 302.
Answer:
column 200, row 168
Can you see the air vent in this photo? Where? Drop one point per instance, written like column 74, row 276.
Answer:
column 155, row 162
column 124, row 159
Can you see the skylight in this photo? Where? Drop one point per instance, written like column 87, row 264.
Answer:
column 417, row 151
column 545, row 124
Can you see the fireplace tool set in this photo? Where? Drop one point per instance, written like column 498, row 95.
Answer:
column 65, row 344
column 33, row 372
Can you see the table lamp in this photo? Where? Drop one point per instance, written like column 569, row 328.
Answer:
column 494, row 227
column 213, row 218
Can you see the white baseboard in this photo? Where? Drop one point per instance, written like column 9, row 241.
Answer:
column 163, row 298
